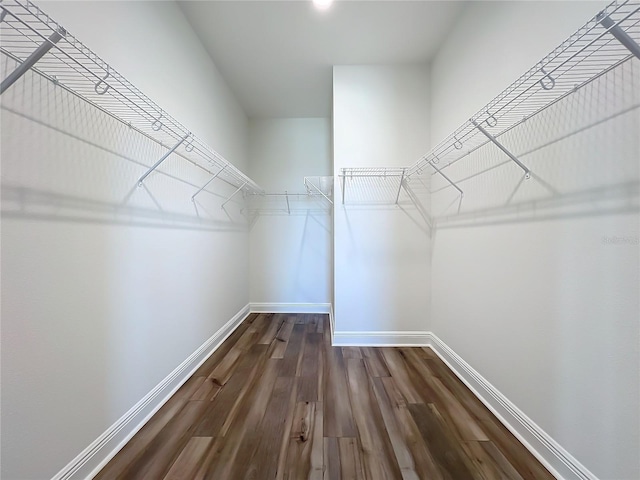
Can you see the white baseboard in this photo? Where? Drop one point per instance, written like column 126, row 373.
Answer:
column 381, row 339
column 88, row 463
column 291, row 308
column 555, row 458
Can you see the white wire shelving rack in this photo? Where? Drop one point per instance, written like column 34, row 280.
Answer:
column 34, row 41
column 606, row 41
column 317, row 188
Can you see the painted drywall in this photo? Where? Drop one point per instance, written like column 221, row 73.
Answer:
column 381, row 249
column 290, row 247
column 107, row 287
column 536, row 283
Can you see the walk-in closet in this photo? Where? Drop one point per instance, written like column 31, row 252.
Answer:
column 320, row 239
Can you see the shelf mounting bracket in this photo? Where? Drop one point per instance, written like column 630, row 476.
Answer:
column 400, row 186
column 193, row 197
column 233, row 195
column 527, row 172
column 162, row 159
column 307, row 183
column 286, row 195
column 344, row 177
column 32, row 59
column 442, row 174
column 617, row 31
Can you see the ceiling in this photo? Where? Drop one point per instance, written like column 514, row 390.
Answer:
column 277, row 55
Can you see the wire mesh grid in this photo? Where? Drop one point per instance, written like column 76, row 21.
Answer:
column 584, row 56
column 70, row 64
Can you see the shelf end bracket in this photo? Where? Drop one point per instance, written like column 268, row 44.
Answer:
column 617, row 31
column 32, row 59
column 233, row 194
column 443, row 175
column 193, row 197
column 162, row 159
column 527, row 172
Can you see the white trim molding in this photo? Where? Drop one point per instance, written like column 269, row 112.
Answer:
column 291, row 308
column 91, row 460
column 381, row 339
column 549, row 452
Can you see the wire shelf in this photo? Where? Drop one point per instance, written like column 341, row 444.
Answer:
column 589, row 53
column 71, row 65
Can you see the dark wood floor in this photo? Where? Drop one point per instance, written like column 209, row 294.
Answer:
column 277, row 401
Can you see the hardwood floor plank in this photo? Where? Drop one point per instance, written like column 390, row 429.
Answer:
column 331, row 459
column 434, row 391
column 207, row 391
column 425, row 465
column 374, row 363
column 447, row 456
column 398, row 370
column 220, row 412
column 490, row 463
column 238, row 445
column 271, row 433
column 377, row 453
column 351, row 352
column 304, row 436
column 351, row 467
column 157, row 458
column 282, row 339
column 317, row 446
column 275, row 322
column 403, row 454
column 338, row 416
column 308, row 384
column 189, row 459
column 291, row 357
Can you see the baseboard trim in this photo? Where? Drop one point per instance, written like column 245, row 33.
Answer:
column 291, row 308
column 93, row 458
column 549, row 452
column 381, row 339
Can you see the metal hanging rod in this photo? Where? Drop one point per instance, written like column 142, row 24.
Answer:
column 69, row 64
column 583, row 57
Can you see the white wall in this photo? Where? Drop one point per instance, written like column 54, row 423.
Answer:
column 539, row 290
column 106, row 287
column 381, row 250
column 291, row 256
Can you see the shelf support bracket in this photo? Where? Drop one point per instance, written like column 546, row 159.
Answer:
column 527, row 172
column 193, row 197
column 307, row 183
column 162, row 159
column 400, row 186
column 447, row 179
column 344, row 177
column 32, row 59
column 617, row 31
column 233, row 195
column 286, row 195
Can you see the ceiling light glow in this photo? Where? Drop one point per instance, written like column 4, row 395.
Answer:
column 322, row 4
